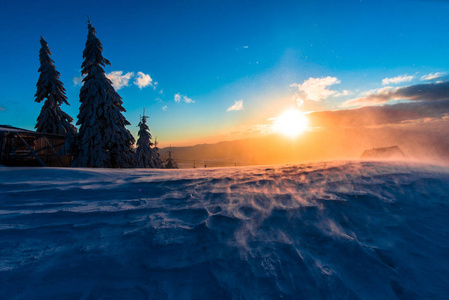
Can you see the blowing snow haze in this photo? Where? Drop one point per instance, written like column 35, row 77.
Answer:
column 340, row 230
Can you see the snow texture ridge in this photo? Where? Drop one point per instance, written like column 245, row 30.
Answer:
column 336, row 230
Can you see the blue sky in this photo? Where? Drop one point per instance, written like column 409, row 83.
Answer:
column 265, row 54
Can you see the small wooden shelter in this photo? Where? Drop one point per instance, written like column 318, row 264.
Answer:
column 22, row 147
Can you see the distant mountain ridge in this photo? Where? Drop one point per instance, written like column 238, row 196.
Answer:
column 338, row 143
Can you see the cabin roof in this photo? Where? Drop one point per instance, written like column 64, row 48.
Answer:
column 12, row 129
column 9, row 128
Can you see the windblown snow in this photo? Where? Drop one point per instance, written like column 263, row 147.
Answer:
column 336, row 230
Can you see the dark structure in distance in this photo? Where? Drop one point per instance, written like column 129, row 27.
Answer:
column 383, row 153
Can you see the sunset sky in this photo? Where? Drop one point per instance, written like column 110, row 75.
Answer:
column 210, row 70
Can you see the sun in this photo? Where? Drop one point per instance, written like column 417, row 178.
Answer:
column 291, row 123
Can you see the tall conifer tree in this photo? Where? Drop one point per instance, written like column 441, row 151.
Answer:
column 103, row 139
column 51, row 118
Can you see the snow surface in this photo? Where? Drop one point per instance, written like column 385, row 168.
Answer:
column 336, row 230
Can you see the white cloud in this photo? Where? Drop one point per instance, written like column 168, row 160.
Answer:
column 342, row 93
column 316, row 89
column 370, row 97
column 119, row 79
column 296, row 97
column 187, row 99
column 432, row 76
column 178, row 97
column 396, row 80
column 144, row 80
column 164, row 108
column 238, row 105
column 78, row 80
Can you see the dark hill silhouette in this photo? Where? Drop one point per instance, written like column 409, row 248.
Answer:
column 425, row 141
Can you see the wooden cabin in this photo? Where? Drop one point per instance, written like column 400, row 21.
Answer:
column 22, row 147
column 383, row 153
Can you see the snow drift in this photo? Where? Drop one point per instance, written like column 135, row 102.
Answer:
column 325, row 230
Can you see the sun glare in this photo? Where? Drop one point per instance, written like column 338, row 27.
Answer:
column 291, row 123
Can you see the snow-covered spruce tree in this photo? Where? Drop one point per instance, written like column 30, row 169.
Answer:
column 146, row 156
column 103, row 140
column 158, row 155
column 51, row 118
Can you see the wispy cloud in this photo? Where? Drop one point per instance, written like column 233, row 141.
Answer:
column 433, row 76
column 418, row 92
column 144, row 80
column 298, row 100
column 178, row 97
column 376, row 91
column 164, row 108
column 238, row 105
column 2, row 108
column 342, row 93
column 187, row 99
column 381, row 115
column 316, row 89
column 396, row 80
column 254, row 129
column 78, row 80
column 118, row 79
